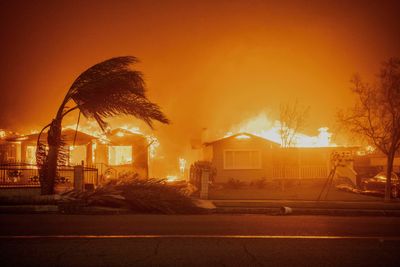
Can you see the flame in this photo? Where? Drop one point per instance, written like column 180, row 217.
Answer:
column 172, row 178
column 2, row 133
column 91, row 128
column 263, row 127
column 120, row 134
column 131, row 129
column 242, row 136
column 153, row 145
column 182, row 165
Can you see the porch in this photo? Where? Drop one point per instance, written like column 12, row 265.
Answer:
column 26, row 175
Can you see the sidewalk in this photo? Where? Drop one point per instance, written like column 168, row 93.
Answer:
column 267, row 207
column 274, row 207
column 53, row 209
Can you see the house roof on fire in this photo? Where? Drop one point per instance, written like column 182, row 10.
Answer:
column 243, row 136
column 67, row 134
column 123, row 136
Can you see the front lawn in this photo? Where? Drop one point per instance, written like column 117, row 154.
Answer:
column 294, row 191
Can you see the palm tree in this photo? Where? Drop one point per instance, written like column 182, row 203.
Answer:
column 106, row 89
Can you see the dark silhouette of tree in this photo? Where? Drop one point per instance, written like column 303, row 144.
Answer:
column 376, row 115
column 292, row 118
column 107, row 89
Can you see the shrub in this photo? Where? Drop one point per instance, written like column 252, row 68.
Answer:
column 234, row 183
column 259, row 183
column 196, row 170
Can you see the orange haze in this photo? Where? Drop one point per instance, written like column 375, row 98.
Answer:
column 208, row 64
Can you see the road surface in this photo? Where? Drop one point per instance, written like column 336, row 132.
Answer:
column 198, row 240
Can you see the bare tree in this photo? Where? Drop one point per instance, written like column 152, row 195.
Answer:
column 292, row 117
column 106, row 89
column 376, row 115
column 292, row 120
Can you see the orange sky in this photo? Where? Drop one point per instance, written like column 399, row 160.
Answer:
column 207, row 63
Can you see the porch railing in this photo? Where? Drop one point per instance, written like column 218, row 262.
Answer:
column 20, row 174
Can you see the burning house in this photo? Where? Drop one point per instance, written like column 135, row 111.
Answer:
column 79, row 147
column 119, row 151
column 241, row 156
column 9, row 151
column 125, row 151
column 248, row 157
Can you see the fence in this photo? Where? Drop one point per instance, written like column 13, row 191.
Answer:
column 19, row 174
column 300, row 172
column 91, row 175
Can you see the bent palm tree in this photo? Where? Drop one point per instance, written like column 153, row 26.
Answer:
column 106, row 89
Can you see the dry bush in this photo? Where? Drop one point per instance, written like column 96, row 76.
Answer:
column 260, row 183
column 138, row 195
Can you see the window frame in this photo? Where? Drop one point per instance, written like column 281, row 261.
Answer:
column 124, row 164
column 257, row 167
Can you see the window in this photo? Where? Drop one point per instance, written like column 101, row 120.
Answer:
column 31, row 154
column 242, row 159
column 119, row 155
column 7, row 152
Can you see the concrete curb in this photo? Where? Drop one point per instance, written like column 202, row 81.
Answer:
column 308, row 204
column 51, row 209
column 308, row 211
column 54, row 209
column 28, row 209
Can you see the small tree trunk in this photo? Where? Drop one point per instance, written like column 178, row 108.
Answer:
column 388, row 186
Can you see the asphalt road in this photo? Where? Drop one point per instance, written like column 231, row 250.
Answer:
column 198, row 240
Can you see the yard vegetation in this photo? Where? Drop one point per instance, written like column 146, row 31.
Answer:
column 293, row 190
column 137, row 195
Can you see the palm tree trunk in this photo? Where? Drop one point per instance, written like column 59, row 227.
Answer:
column 50, row 171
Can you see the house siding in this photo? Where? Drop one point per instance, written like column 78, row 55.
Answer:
column 247, row 175
column 276, row 162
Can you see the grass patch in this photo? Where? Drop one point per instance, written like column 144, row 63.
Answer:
column 308, row 190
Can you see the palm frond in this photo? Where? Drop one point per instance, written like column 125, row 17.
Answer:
column 112, row 88
column 111, row 67
column 107, row 89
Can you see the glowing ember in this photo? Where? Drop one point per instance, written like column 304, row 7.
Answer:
column 365, row 150
column 172, row 178
column 263, row 127
column 2, row 134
